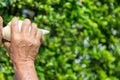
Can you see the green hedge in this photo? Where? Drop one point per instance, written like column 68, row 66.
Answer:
column 83, row 43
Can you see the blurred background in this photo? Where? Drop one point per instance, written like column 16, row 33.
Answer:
column 83, row 43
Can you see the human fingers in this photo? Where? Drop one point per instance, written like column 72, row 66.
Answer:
column 25, row 26
column 14, row 26
column 42, row 38
column 33, row 30
column 39, row 35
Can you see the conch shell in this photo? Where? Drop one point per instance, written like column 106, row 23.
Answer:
column 6, row 32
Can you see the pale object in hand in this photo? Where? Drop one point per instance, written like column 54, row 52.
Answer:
column 6, row 32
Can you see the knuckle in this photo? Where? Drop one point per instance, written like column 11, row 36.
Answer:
column 13, row 24
column 18, row 38
column 36, row 43
column 34, row 27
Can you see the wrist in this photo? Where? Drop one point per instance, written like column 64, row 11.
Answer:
column 25, row 71
column 21, row 61
column 27, row 64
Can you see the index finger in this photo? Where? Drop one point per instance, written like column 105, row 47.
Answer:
column 14, row 26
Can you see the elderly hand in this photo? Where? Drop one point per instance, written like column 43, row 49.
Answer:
column 23, row 48
column 24, row 44
column 1, row 25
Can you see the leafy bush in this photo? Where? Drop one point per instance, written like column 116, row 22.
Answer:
column 83, row 43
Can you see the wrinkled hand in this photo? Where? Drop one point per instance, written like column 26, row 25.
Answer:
column 24, row 44
column 1, row 25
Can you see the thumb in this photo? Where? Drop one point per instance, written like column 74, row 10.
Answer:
column 7, row 44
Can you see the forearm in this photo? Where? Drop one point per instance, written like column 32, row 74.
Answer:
column 25, row 71
column 23, row 47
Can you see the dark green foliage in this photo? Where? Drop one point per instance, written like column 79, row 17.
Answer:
column 83, row 43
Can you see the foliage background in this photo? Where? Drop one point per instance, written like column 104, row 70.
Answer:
column 83, row 43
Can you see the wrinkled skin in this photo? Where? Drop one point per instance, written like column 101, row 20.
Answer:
column 24, row 45
column 23, row 48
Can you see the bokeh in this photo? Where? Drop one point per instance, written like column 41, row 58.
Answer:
column 83, row 43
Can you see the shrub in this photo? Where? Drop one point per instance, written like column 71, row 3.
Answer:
column 83, row 43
